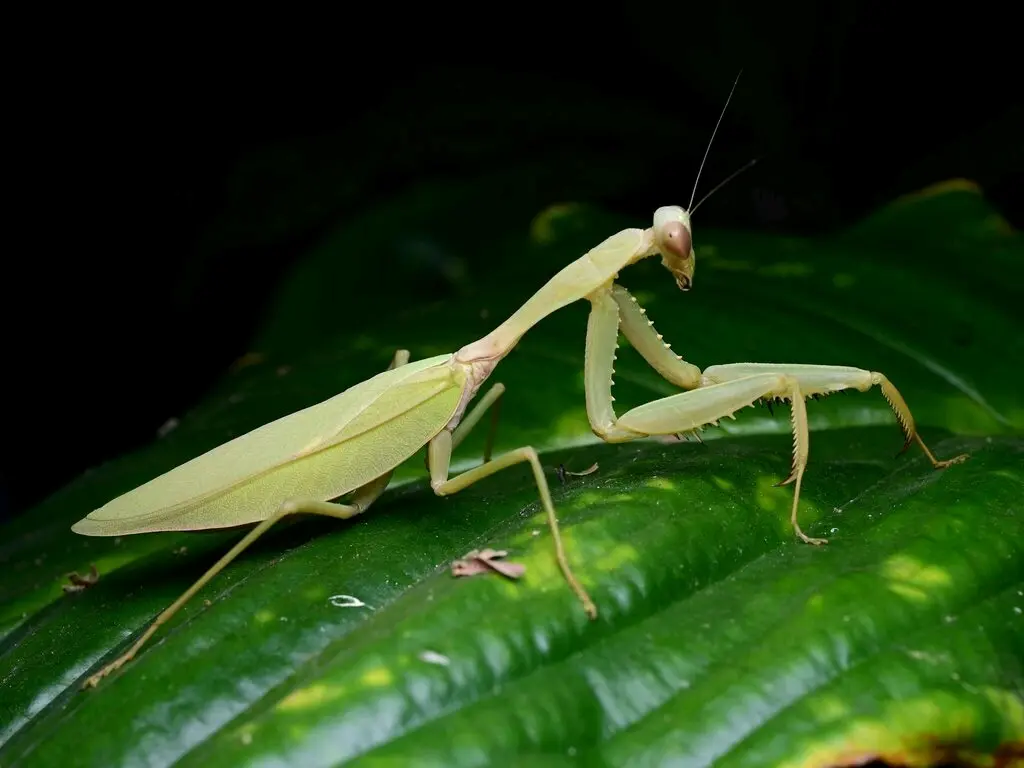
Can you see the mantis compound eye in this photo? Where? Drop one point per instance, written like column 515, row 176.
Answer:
column 676, row 239
column 672, row 232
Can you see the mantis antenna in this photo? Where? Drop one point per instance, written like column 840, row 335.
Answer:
column 721, row 184
column 699, row 170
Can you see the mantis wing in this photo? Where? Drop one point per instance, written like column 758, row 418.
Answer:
column 320, row 452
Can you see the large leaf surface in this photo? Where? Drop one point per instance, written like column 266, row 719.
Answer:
column 720, row 637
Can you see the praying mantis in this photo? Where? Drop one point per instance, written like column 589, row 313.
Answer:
column 349, row 445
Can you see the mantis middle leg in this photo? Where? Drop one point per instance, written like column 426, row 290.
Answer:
column 718, row 392
column 470, row 420
column 439, row 457
column 360, row 501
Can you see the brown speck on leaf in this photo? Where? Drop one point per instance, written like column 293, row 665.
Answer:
column 484, row 561
column 207, row 603
column 80, row 583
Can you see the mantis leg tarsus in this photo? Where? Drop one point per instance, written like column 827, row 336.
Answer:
column 940, row 463
column 801, row 450
column 439, row 457
column 906, row 421
column 796, row 525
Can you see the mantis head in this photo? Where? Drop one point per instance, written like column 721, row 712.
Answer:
column 674, row 240
column 673, row 235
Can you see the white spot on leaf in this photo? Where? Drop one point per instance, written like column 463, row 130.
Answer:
column 433, row 657
column 346, row 601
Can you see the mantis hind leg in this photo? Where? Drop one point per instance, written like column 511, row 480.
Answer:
column 360, row 501
column 359, row 504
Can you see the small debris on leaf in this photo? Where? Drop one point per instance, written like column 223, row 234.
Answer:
column 433, row 657
column 80, row 583
column 484, row 561
column 563, row 472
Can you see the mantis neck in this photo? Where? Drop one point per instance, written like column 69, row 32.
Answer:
column 576, row 281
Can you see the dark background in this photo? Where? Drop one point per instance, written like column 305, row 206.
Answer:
column 144, row 239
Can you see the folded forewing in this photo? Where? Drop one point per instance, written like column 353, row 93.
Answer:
column 255, row 454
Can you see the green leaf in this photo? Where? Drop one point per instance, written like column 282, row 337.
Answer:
column 721, row 639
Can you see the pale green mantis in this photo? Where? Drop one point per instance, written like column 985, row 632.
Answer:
column 350, row 444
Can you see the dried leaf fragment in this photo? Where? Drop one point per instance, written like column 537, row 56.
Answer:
column 485, row 561
column 79, row 582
